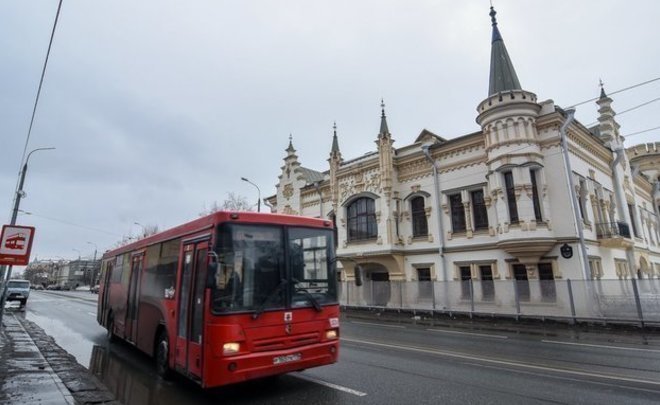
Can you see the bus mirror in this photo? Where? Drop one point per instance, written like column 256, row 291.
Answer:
column 359, row 273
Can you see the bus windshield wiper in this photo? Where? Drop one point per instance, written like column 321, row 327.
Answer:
column 309, row 295
column 262, row 305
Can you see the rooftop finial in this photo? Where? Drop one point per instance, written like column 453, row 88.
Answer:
column 290, row 148
column 602, row 88
column 493, row 13
column 335, row 143
column 383, row 120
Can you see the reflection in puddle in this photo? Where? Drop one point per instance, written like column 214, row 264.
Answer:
column 131, row 377
column 68, row 339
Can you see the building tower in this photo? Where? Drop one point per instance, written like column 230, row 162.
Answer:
column 335, row 161
column 514, row 160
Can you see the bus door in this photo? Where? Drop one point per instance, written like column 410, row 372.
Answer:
column 133, row 297
column 190, row 320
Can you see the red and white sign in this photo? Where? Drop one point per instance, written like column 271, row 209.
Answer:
column 15, row 245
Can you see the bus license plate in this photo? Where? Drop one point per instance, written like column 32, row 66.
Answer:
column 287, row 359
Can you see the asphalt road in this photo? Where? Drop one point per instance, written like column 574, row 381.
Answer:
column 388, row 363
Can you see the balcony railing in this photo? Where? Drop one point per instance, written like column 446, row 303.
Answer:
column 608, row 230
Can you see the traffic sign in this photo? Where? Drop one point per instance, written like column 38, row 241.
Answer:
column 15, row 245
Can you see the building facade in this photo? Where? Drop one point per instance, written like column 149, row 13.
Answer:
column 533, row 195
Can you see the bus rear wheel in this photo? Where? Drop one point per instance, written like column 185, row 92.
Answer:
column 163, row 356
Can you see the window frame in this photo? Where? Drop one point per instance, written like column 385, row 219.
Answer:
column 363, row 220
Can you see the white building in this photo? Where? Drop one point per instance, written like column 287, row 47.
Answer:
column 494, row 204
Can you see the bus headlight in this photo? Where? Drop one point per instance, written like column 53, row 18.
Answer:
column 331, row 334
column 230, row 348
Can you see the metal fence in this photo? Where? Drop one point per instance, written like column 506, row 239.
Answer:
column 636, row 301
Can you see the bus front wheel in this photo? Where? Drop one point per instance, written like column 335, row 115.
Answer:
column 111, row 330
column 163, row 356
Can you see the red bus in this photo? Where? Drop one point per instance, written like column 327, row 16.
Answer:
column 228, row 297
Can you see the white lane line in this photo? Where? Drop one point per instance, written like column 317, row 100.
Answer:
column 504, row 362
column 378, row 324
column 331, row 385
column 468, row 333
column 91, row 313
column 556, row 342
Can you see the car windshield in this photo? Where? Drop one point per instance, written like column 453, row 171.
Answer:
column 18, row 284
column 271, row 267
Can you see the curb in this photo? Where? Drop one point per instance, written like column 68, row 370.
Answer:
column 78, row 381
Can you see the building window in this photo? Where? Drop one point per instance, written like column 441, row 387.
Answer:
column 535, row 196
column 522, row 282
column 425, row 283
column 621, row 268
column 582, row 201
column 466, row 281
column 547, row 280
column 633, row 219
column 362, row 219
column 479, row 211
column 595, row 267
column 511, row 197
column 420, row 226
column 457, row 213
column 487, row 284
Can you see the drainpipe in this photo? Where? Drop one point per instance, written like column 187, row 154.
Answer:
column 622, row 203
column 441, row 233
column 571, row 188
column 318, row 191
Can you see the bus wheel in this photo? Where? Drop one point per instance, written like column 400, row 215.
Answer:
column 163, row 356
column 111, row 330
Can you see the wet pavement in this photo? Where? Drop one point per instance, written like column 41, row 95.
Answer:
column 35, row 370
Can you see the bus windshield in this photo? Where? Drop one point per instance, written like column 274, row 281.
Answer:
column 271, row 267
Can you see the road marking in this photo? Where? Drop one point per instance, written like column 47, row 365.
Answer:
column 468, row 333
column 91, row 313
column 600, row 346
column 331, row 385
column 378, row 324
column 503, row 362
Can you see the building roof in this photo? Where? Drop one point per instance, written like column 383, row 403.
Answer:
column 310, row 176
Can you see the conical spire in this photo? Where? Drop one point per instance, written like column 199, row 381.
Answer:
column 335, row 142
column 383, row 120
column 502, row 74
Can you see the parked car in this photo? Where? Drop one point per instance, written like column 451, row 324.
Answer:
column 18, row 290
column 94, row 289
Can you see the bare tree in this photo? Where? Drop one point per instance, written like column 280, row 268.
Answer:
column 233, row 202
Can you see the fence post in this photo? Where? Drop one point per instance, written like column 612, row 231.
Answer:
column 516, row 296
column 401, row 293
column 637, row 302
column 471, row 299
column 570, row 299
column 433, row 293
column 371, row 295
column 348, row 293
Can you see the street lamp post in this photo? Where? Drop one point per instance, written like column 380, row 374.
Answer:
column 258, row 193
column 5, row 271
column 93, row 278
column 144, row 228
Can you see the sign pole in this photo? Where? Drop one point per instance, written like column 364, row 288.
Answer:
column 15, row 246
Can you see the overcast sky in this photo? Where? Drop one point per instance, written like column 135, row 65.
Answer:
column 157, row 108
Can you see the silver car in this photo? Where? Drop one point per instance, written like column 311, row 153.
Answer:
column 18, row 290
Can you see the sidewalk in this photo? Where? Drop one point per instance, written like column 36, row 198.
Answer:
column 25, row 375
column 35, row 370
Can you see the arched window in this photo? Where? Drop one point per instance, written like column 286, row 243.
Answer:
column 420, row 226
column 362, row 219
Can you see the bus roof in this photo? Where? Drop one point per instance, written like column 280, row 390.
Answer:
column 209, row 221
